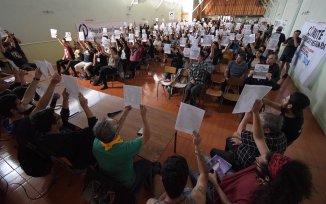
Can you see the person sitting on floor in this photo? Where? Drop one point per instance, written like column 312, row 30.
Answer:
column 272, row 180
column 55, row 135
column 291, row 109
column 11, row 107
column 174, row 176
column 272, row 76
column 115, row 156
column 244, row 150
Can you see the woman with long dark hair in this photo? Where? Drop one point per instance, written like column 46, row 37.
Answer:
column 274, row 179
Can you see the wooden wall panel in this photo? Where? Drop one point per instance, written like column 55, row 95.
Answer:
column 233, row 8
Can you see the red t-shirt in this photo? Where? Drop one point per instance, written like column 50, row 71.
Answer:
column 240, row 186
column 69, row 54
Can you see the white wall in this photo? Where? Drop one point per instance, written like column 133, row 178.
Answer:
column 26, row 18
column 310, row 10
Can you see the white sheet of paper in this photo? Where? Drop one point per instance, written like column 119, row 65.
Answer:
column 105, row 42
column 207, row 40
column 68, row 36
column 238, row 36
column 194, row 52
column 260, row 71
column 117, row 32
column 71, row 85
column 252, row 38
column 43, row 68
column 183, row 42
column 225, row 40
column 167, row 48
column 249, row 95
column 105, row 31
column 81, row 36
column 189, row 118
column 131, row 37
column 272, row 44
column 50, row 67
column 90, row 36
column 132, row 96
column 275, row 36
column 3, row 34
column 232, row 36
column 144, row 37
column 53, row 33
column 186, row 52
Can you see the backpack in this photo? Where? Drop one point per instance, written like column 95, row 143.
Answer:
column 34, row 162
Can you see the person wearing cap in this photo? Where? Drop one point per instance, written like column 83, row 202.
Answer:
column 291, row 109
column 292, row 43
column 274, row 178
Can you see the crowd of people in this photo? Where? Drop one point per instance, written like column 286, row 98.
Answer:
column 260, row 172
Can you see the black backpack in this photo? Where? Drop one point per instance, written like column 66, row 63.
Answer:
column 34, row 162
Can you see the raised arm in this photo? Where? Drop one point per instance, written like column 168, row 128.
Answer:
column 243, row 123
column 44, row 101
column 213, row 179
column 258, row 132
column 146, row 133
column 123, row 118
column 272, row 104
column 59, row 41
column 84, row 104
column 199, row 191
column 30, row 91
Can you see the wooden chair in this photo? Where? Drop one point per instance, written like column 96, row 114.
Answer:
column 232, row 89
column 181, row 82
column 167, row 82
column 214, row 90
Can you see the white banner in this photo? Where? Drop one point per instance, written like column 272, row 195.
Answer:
column 308, row 56
column 97, row 28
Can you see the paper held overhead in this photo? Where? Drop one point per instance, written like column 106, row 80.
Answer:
column 132, row 96
column 189, row 118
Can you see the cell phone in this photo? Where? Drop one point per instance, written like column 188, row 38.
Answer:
column 140, row 132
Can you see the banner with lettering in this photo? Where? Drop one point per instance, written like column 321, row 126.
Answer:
column 309, row 55
column 97, row 28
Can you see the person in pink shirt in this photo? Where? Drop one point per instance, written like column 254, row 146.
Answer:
column 135, row 54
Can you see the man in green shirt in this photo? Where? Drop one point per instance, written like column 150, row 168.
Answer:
column 115, row 156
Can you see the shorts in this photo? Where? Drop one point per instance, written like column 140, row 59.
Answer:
column 285, row 58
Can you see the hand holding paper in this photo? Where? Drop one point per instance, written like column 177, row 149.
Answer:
column 189, row 118
column 132, row 96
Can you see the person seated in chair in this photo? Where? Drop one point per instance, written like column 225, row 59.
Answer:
column 237, row 67
column 55, row 135
column 198, row 72
column 115, row 156
column 110, row 69
column 174, row 176
column 272, row 76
